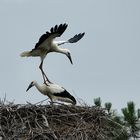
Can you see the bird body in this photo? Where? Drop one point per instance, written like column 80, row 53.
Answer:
column 42, row 52
column 46, row 44
column 54, row 92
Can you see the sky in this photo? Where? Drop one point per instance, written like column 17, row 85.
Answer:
column 106, row 61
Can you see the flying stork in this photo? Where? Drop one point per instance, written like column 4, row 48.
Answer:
column 47, row 44
column 54, row 92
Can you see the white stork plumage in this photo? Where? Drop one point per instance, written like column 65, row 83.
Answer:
column 54, row 92
column 47, row 44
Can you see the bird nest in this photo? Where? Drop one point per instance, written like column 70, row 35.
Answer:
column 55, row 122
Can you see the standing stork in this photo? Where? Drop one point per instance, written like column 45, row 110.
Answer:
column 46, row 44
column 54, row 92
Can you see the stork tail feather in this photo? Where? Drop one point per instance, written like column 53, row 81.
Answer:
column 25, row 54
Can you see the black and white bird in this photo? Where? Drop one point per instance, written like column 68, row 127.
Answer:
column 54, row 92
column 47, row 44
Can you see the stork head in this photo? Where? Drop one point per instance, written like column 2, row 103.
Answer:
column 31, row 85
column 69, row 55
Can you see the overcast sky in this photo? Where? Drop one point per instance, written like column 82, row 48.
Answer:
column 106, row 60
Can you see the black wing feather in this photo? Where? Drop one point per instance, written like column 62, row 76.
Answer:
column 65, row 94
column 76, row 38
column 54, row 30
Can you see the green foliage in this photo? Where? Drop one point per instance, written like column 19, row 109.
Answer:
column 131, row 119
column 128, row 125
column 138, row 112
column 129, row 122
column 108, row 106
column 97, row 102
column 123, row 135
column 118, row 119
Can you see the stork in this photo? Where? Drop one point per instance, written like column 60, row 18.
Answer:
column 47, row 44
column 54, row 92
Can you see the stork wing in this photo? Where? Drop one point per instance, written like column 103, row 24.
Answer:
column 65, row 94
column 56, row 31
column 74, row 39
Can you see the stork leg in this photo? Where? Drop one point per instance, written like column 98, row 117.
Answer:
column 51, row 103
column 43, row 73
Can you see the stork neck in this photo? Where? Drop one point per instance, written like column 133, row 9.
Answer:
column 38, row 86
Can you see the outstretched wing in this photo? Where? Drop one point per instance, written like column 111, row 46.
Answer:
column 45, row 39
column 74, row 39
